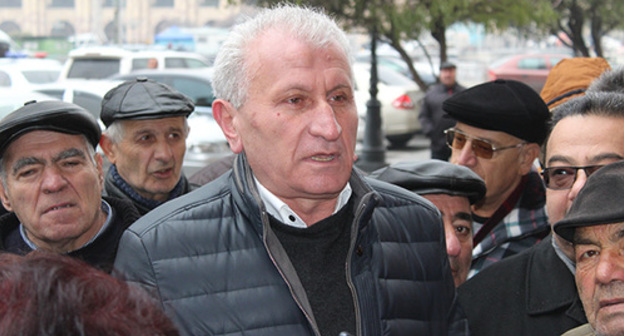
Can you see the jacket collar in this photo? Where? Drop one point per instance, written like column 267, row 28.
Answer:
column 550, row 284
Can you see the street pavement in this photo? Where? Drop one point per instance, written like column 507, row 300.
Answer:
column 417, row 149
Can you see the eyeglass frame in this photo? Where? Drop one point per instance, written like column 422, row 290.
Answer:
column 472, row 138
column 546, row 179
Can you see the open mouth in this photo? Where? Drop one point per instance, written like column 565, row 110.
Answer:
column 59, row 207
column 323, row 158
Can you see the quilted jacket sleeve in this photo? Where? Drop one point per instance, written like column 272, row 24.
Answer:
column 133, row 263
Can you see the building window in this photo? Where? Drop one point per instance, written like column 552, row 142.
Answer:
column 113, row 3
column 61, row 4
column 209, row 3
column 11, row 3
column 163, row 3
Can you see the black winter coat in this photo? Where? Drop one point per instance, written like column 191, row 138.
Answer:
column 532, row 293
column 217, row 267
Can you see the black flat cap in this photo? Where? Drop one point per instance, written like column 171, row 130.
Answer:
column 502, row 105
column 143, row 98
column 447, row 65
column 434, row 177
column 599, row 201
column 50, row 115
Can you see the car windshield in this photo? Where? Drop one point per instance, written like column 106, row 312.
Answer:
column 94, row 68
column 391, row 77
column 41, row 76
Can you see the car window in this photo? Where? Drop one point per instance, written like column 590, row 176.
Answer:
column 90, row 68
column 5, row 79
column 88, row 101
column 532, row 63
column 41, row 76
column 391, row 77
column 554, row 61
column 200, row 92
column 175, row 62
column 56, row 93
column 139, row 63
column 194, row 63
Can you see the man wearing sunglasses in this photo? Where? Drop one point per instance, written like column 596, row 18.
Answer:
column 500, row 128
column 537, row 287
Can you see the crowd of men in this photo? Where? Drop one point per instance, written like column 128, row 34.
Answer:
column 293, row 240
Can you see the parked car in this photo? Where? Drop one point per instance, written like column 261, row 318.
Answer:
column 206, row 141
column 28, row 72
column 531, row 69
column 11, row 99
column 102, row 62
column 426, row 71
column 400, row 100
column 85, row 93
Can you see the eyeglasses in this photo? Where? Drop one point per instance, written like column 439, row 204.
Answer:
column 482, row 148
column 559, row 178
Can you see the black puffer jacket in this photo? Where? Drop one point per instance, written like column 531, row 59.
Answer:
column 218, row 268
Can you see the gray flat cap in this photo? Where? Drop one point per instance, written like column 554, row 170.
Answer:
column 143, row 98
column 434, row 177
column 599, row 201
column 50, row 115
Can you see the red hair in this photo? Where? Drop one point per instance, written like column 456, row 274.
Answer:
column 51, row 294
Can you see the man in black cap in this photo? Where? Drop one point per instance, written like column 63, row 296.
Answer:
column 145, row 141
column 452, row 189
column 595, row 227
column 433, row 119
column 500, row 128
column 52, row 182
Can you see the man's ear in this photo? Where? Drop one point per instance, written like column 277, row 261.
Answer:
column 99, row 165
column 225, row 114
column 5, row 198
column 107, row 147
column 528, row 155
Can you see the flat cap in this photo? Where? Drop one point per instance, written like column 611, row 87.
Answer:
column 143, row 98
column 434, row 177
column 599, row 201
column 57, row 116
column 502, row 105
column 447, row 65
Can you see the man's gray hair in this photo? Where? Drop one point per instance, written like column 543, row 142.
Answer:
column 90, row 153
column 230, row 80
column 116, row 130
column 609, row 81
column 605, row 104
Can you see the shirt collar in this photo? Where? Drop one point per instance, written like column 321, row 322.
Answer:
column 109, row 217
column 282, row 212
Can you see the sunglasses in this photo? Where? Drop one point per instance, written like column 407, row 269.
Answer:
column 481, row 148
column 559, row 178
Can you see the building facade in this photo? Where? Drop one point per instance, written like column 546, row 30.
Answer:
column 115, row 21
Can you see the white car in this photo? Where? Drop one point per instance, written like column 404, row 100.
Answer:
column 400, row 100
column 103, row 62
column 87, row 94
column 24, row 73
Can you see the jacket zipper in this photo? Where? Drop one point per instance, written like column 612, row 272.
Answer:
column 354, row 230
column 265, row 228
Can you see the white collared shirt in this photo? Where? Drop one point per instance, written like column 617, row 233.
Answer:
column 282, row 212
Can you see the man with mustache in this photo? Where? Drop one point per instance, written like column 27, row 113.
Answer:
column 52, row 183
column 292, row 240
column 452, row 189
column 145, row 140
column 595, row 227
